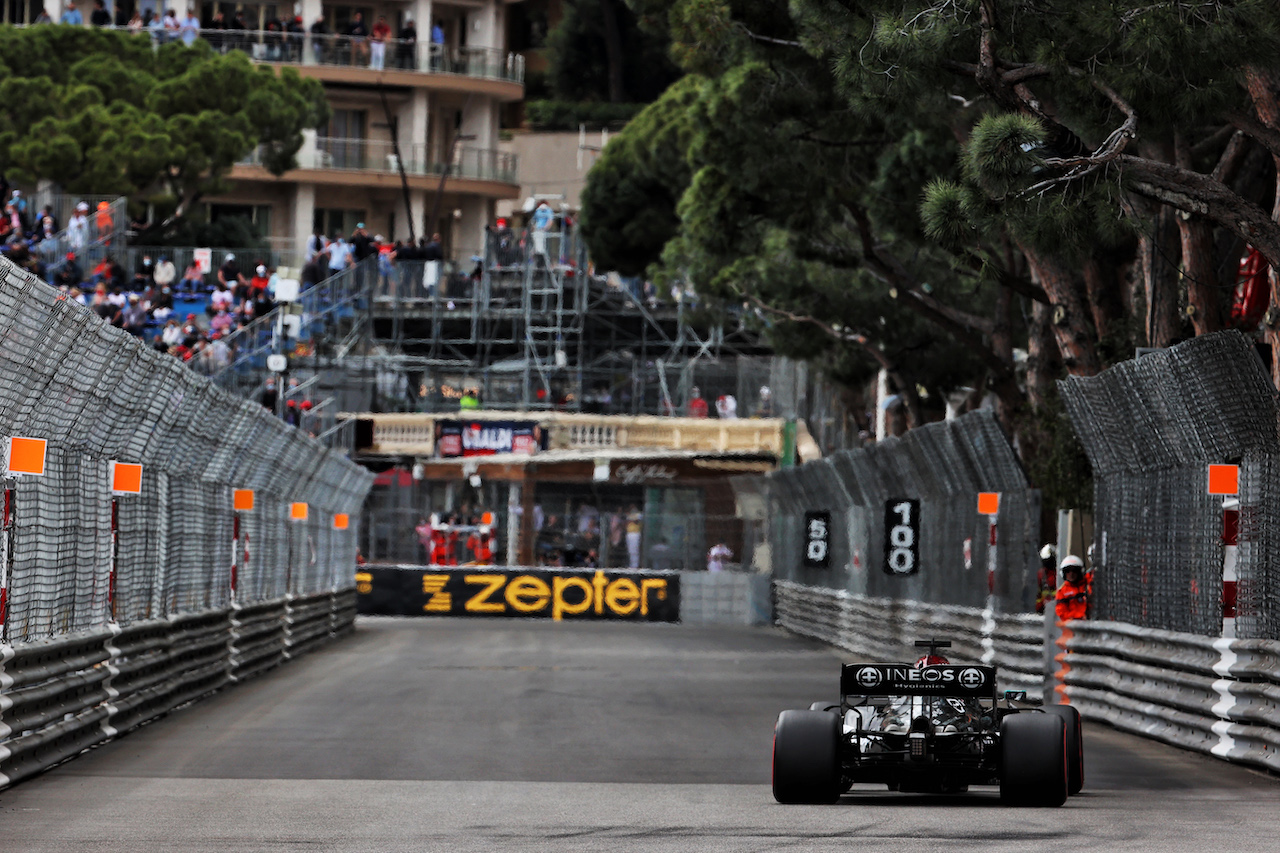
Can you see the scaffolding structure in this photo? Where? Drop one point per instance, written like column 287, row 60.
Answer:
column 529, row 327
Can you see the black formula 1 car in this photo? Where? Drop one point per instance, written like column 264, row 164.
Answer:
column 932, row 728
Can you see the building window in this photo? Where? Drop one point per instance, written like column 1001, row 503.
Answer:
column 334, row 221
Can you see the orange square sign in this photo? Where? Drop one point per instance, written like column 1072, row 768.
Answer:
column 126, row 478
column 242, row 500
column 26, row 455
column 988, row 503
column 341, row 521
column 298, row 511
column 1224, row 479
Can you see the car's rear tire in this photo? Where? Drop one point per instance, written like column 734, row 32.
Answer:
column 1034, row 760
column 833, row 705
column 806, row 757
column 1075, row 745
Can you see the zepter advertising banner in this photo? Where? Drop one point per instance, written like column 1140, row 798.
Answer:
column 517, row 592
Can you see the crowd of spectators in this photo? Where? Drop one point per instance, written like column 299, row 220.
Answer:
column 279, row 40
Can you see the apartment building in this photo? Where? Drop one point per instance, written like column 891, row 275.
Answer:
column 413, row 137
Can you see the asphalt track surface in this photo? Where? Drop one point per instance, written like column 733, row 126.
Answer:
column 456, row 735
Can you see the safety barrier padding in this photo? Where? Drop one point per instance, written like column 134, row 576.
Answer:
column 885, row 629
column 1215, row 695
column 59, row 697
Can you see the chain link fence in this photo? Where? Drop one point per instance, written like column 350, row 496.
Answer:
column 944, row 466
column 1150, row 428
column 75, row 556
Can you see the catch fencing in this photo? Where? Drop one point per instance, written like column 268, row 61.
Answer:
column 944, row 466
column 1151, row 427
column 79, row 560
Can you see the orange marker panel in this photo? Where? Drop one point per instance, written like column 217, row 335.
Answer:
column 242, row 500
column 26, row 455
column 298, row 511
column 988, row 503
column 1224, row 479
column 126, row 478
column 341, row 521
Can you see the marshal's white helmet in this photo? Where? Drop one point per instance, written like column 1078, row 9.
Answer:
column 1048, row 552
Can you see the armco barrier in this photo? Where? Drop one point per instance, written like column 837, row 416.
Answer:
column 58, row 697
column 885, row 629
column 1214, row 695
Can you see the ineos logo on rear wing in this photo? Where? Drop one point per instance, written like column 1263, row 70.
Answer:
column 891, row 679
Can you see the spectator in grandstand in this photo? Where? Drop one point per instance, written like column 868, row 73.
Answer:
column 697, row 407
column 165, row 272
column 100, row 17
column 189, row 28
column 159, row 300
column 77, row 296
column 358, row 35
column 46, row 233
column 437, row 34
column 407, row 46
column 191, row 331
column 433, row 251
column 542, row 220
column 69, row 273
column 192, row 279
column 320, row 39
column 726, row 407
column 260, row 281
column 170, row 335
column 144, row 275
column 470, row 399
column 378, row 43
column 423, row 531
column 78, row 228
column 72, row 16
column 222, row 321
column 245, row 313
column 134, row 317
column 229, row 275
column 101, row 305
column 43, row 17
column 362, row 245
column 315, row 245
column 261, row 300
column 339, row 255
column 136, row 23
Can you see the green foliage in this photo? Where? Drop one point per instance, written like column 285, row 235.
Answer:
column 569, row 115
column 228, row 232
column 579, row 52
column 1054, row 458
column 99, row 111
column 628, row 204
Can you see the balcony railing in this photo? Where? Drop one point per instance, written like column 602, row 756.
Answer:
column 481, row 164
column 340, row 50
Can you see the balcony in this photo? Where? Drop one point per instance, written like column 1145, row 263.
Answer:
column 485, row 70
column 368, row 155
column 336, row 57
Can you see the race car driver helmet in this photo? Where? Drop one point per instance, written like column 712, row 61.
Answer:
column 931, row 660
column 1072, row 564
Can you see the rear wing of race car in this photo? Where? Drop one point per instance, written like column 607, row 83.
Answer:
column 895, row 679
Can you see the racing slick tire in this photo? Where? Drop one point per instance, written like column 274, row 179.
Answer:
column 1034, row 760
column 833, row 705
column 1075, row 745
column 806, row 757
